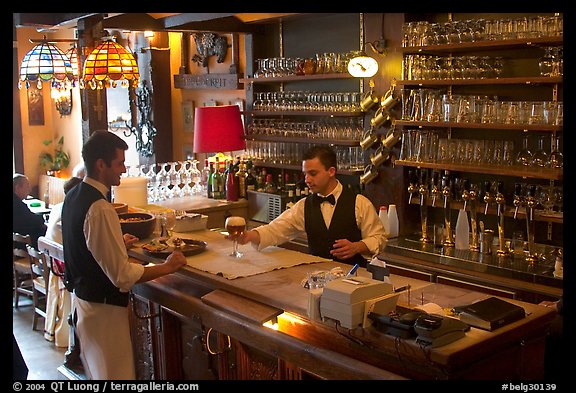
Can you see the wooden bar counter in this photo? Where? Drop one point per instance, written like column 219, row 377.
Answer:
column 198, row 325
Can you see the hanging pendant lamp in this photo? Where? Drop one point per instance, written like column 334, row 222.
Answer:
column 46, row 63
column 108, row 63
column 72, row 54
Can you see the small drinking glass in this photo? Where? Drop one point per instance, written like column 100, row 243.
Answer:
column 236, row 226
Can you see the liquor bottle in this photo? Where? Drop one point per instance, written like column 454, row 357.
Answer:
column 269, row 186
column 250, row 178
column 217, row 182
column 231, row 184
column 241, row 177
column 210, row 180
column 290, row 201
column 205, row 175
column 280, row 183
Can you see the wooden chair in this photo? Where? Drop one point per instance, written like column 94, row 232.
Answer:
column 40, row 276
column 21, row 267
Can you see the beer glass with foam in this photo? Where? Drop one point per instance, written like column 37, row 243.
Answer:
column 235, row 225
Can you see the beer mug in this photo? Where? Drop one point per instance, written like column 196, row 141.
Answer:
column 368, row 139
column 382, row 117
column 389, row 100
column 370, row 173
column 380, row 156
column 391, row 139
column 368, row 100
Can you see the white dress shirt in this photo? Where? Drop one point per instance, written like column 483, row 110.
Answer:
column 290, row 224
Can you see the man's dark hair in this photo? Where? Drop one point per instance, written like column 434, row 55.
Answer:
column 71, row 183
column 325, row 154
column 101, row 144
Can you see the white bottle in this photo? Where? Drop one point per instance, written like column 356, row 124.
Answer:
column 392, row 222
column 462, row 231
column 383, row 214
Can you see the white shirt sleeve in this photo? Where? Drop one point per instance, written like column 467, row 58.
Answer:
column 104, row 240
column 370, row 225
column 285, row 227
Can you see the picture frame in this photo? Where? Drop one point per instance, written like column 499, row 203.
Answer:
column 35, row 106
column 188, row 116
column 211, row 103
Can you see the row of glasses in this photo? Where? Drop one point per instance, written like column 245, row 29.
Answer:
column 334, row 128
column 540, row 157
column 320, row 63
column 417, row 67
column 423, row 33
column 290, row 153
column 173, row 179
column 281, row 101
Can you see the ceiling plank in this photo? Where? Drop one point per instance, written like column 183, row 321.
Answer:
column 133, row 21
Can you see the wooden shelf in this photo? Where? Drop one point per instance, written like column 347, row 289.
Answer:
column 523, row 80
column 320, row 141
column 305, row 113
column 296, row 78
column 530, row 172
column 525, row 43
column 485, row 126
column 492, row 210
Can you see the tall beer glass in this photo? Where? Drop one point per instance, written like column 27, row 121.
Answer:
column 235, row 225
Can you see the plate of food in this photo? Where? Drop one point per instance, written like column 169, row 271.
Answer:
column 162, row 247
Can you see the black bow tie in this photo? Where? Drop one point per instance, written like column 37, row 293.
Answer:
column 330, row 199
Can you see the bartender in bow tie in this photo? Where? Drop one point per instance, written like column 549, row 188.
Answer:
column 339, row 223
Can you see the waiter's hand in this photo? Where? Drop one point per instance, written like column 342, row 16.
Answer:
column 344, row 248
column 129, row 239
column 175, row 261
column 248, row 237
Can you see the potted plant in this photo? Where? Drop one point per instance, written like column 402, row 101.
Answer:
column 54, row 163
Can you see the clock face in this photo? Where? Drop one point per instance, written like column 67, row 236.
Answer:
column 363, row 66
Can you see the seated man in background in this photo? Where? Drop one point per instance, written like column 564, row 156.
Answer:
column 23, row 220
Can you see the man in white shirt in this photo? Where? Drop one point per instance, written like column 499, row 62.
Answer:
column 97, row 268
column 339, row 224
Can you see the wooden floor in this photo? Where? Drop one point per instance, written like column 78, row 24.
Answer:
column 41, row 356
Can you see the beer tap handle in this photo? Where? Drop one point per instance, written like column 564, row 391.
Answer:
column 487, row 195
column 434, row 192
column 465, row 192
column 517, row 197
column 412, row 186
column 500, row 197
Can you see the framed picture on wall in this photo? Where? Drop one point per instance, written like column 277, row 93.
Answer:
column 188, row 152
column 35, row 106
column 188, row 115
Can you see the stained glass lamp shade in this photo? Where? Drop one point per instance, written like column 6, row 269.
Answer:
column 72, row 54
column 46, row 63
column 108, row 63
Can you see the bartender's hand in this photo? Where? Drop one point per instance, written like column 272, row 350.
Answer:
column 175, row 261
column 129, row 239
column 248, row 237
column 344, row 248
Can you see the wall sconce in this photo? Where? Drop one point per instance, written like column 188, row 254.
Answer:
column 63, row 101
column 362, row 66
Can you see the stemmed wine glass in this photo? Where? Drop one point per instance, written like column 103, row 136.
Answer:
column 168, row 221
column 235, row 225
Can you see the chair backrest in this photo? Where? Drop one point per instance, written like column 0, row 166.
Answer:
column 19, row 243
column 38, row 266
column 54, row 253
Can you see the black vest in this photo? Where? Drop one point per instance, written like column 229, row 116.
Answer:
column 342, row 226
column 82, row 274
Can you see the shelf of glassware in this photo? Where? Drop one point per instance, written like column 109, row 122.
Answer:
column 524, row 172
column 305, row 113
column 484, row 126
column 296, row 78
column 539, row 215
column 319, row 141
column 268, row 164
column 517, row 80
column 524, row 43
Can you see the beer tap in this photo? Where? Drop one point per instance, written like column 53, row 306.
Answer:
column 531, row 202
column 446, row 192
column 413, row 187
column 435, row 191
column 518, row 200
column 488, row 197
column 423, row 191
column 469, row 197
column 501, row 202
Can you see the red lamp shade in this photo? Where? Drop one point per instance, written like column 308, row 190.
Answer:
column 218, row 129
